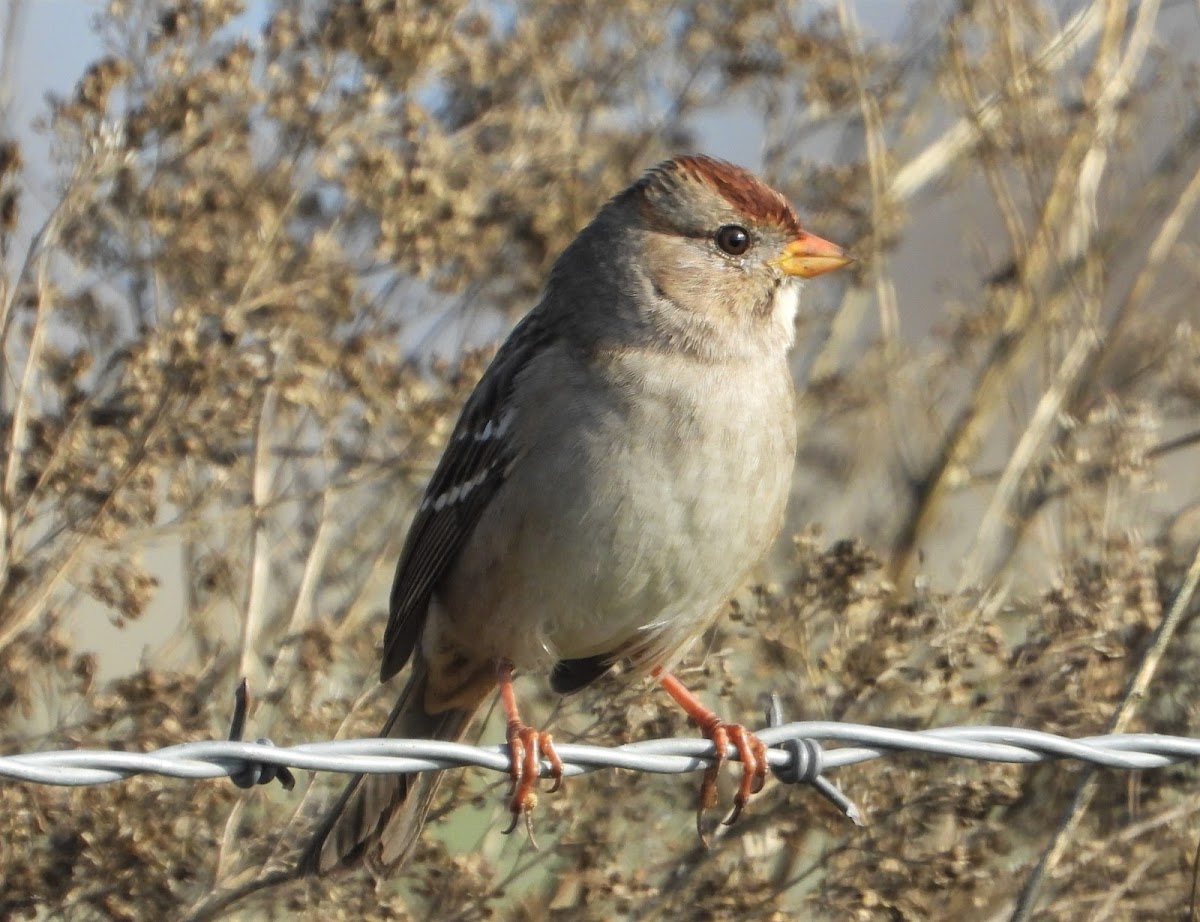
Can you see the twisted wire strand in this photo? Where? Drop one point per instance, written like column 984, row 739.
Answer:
column 856, row 743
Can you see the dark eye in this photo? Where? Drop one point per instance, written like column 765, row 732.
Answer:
column 733, row 239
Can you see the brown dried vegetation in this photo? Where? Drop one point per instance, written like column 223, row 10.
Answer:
column 221, row 341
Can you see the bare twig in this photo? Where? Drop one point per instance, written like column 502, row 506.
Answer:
column 1130, row 703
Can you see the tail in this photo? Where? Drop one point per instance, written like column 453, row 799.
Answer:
column 378, row 818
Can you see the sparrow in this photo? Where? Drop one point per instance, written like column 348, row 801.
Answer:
column 618, row 471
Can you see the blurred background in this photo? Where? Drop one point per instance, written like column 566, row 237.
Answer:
column 255, row 255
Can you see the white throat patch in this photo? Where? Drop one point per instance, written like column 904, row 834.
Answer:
column 787, row 302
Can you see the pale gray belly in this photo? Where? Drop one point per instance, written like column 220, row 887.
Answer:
column 643, row 523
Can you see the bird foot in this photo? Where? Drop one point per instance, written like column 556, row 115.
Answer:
column 750, row 749
column 753, row 755
column 526, row 747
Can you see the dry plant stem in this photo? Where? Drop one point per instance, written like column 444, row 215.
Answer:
column 254, row 609
column 229, row 835
column 998, row 180
column 8, row 53
column 960, row 139
column 1115, row 87
column 215, row 904
column 750, row 749
column 1129, row 705
column 938, row 157
column 1160, row 250
column 1027, row 452
column 360, row 606
column 1097, row 851
column 966, row 430
column 525, row 746
column 30, row 607
column 304, row 608
column 877, row 162
column 35, row 268
column 1112, row 902
column 1021, row 515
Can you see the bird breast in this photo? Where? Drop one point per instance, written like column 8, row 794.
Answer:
column 629, row 525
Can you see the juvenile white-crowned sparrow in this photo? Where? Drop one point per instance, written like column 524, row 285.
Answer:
column 619, row 469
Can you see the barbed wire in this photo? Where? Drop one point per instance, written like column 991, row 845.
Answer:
column 790, row 745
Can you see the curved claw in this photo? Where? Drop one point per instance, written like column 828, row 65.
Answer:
column 512, row 824
column 526, row 746
column 546, row 742
column 752, row 752
column 750, row 749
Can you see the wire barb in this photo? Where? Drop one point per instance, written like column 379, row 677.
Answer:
column 805, row 765
column 251, row 773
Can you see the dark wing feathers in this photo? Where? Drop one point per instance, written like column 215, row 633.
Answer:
column 473, row 466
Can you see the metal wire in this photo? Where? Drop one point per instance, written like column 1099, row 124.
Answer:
column 858, row 743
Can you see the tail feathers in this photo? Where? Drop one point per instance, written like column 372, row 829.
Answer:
column 378, row 818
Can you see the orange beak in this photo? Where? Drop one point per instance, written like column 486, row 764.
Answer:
column 810, row 255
